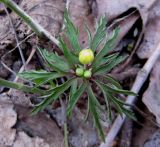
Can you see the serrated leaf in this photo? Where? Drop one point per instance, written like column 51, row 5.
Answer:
column 54, row 61
column 107, row 59
column 89, row 36
column 109, row 45
column 95, row 114
column 95, row 99
column 105, row 65
column 118, row 91
column 72, row 60
column 100, row 33
column 113, row 89
column 113, row 81
column 71, row 33
column 107, row 100
column 75, row 97
column 39, row 77
column 73, row 88
column 56, row 92
column 129, row 113
column 118, row 106
column 109, row 66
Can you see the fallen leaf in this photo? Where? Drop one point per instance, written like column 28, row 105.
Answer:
column 153, row 140
column 152, row 31
column 114, row 8
column 82, row 134
column 151, row 97
column 47, row 13
column 39, row 125
column 8, row 118
column 23, row 140
column 80, row 14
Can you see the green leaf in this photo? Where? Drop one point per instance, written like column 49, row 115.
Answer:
column 100, row 33
column 56, row 62
column 73, row 88
column 89, row 36
column 39, row 77
column 129, row 113
column 113, row 81
column 113, row 89
column 109, row 45
column 124, row 109
column 107, row 59
column 72, row 60
column 118, row 106
column 109, row 66
column 56, row 92
column 106, row 98
column 71, row 33
column 103, row 66
column 75, row 97
column 95, row 99
column 95, row 113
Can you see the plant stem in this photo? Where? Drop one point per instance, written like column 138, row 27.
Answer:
column 37, row 28
column 21, row 87
column 66, row 135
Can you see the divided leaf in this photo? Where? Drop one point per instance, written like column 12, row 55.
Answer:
column 71, row 33
column 71, row 58
column 109, row 45
column 55, row 93
column 109, row 66
column 93, row 110
column 100, row 33
column 39, row 77
column 74, row 98
column 54, row 61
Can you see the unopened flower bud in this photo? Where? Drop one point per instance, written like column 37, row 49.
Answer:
column 79, row 71
column 86, row 56
column 87, row 74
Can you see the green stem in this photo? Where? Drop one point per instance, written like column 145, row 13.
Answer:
column 66, row 135
column 21, row 87
column 37, row 28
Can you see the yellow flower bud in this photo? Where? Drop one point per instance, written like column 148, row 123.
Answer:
column 86, row 56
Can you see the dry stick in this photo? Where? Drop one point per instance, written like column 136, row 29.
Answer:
column 17, row 40
column 4, row 56
column 140, row 79
column 37, row 28
column 23, row 67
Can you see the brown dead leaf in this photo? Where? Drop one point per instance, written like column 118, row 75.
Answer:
column 80, row 14
column 114, row 8
column 8, row 118
column 48, row 13
column 23, row 140
column 82, row 134
column 152, row 33
column 39, row 125
column 151, row 97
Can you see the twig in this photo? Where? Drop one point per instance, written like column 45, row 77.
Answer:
column 37, row 28
column 23, row 67
column 17, row 41
column 140, row 79
column 4, row 56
